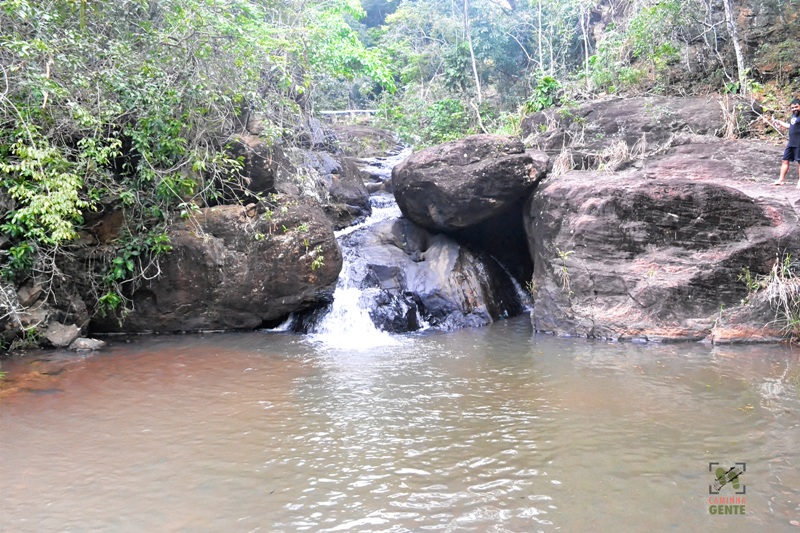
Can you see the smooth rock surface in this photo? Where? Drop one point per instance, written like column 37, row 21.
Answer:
column 83, row 344
column 459, row 184
column 61, row 335
column 414, row 276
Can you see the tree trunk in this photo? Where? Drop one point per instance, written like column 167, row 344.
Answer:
column 539, row 39
column 468, row 31
column 737, row 47
column 585, row 31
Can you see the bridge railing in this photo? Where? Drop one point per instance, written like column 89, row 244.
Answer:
column 347, row 115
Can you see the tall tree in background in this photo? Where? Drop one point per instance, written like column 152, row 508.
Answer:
column 737, row 47
column 468, row 34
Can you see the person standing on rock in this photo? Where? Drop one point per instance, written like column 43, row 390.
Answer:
column 792, row 152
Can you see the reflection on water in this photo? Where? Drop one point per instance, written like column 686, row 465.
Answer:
column 477, row 430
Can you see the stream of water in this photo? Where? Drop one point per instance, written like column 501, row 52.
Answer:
column 491, row 429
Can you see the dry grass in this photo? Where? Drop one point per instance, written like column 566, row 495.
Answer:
column 783, row 292
column 614, row 156
column 563, row 163
column 731, row 128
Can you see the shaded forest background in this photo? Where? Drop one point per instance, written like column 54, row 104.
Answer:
column 132, row 105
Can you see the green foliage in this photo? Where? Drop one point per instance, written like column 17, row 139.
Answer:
column 44, row 184
column 29, row 340
column 319, row 259
column 136, row 260
column 649, row 43
column 544, row 95
column 610, row 70
column 457, row 68
column 129, row 105
column 336, row 48
column 651, row 32
column 447, row 120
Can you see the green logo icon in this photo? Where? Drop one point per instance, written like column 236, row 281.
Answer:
column 725, row 476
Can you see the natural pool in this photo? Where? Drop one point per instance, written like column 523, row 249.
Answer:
column 491, row 429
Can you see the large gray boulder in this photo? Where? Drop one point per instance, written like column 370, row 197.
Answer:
column 234, row 267
column 61, row 335
column 659, row 252
column 459, row 184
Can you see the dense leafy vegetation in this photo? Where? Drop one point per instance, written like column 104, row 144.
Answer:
column 497, row 58
column 130, row 104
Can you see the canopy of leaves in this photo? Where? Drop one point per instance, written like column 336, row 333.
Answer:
column 132, row 102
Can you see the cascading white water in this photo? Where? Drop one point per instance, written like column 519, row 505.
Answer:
column 397, row 277
column 348, row 325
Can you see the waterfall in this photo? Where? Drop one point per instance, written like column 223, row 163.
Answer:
column 399, row 277
column 347, row 324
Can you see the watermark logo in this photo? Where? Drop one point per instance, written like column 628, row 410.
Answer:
column 732, row 477
column 725, row 476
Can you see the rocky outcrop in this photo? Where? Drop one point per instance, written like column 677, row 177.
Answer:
column 346, row 199
column 658, row 252
column 334, row 179
column 61, row 335
column 474, row 189
column 459, row 184
column 30, row 314
column 415, row 277
column 234, row 267
column 265, row 167
column 608, row 134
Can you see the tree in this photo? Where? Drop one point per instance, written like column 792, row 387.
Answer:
column 132, row 104
column 737, row 47
column 468, row 33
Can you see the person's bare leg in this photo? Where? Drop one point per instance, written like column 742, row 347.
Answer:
column 784, row 171
column 798, row 174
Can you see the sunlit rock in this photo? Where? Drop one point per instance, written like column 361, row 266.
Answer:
column 459, row 184
column 659, row 253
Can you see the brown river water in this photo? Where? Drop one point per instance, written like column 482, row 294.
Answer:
column 484, row 430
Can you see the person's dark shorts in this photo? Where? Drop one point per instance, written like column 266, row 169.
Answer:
column 792, row 153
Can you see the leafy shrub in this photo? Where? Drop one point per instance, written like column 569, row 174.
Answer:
column 131, row 104
column 447, row 120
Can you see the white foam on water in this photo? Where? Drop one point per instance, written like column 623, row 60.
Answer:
column 349, row 326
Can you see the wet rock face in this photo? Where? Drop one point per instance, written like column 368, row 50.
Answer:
column 236, row 267
column 657, row 253
column 412, row 275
